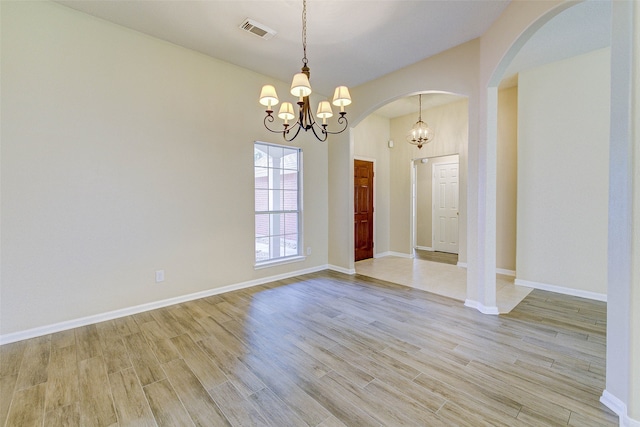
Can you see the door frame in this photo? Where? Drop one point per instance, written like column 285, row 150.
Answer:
column 371, row 160
column 413, row 230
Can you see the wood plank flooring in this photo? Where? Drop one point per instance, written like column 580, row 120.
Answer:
column 323, row 349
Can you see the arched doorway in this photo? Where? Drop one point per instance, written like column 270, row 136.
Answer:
column 622, row 351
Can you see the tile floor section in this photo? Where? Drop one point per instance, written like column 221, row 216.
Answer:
column 438, row 278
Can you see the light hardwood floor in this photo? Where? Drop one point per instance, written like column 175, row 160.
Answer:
column 323, row 349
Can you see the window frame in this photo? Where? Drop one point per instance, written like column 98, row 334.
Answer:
column 283, row 259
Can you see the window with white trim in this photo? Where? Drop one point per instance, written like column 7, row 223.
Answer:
column 277, row 173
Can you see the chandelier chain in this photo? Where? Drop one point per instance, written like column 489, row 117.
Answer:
column 304, row 32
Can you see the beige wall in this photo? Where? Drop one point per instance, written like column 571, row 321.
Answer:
column 563, row 134
column 450, row 124
column 121, row 155
column 370, row 142
column 507, row 179
column 156, row 123
column 424, row 211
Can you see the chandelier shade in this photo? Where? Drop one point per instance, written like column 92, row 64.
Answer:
column 420, row 132
column 268, row 96
column 324, row 111
column 341, row 97
column 301, row 89
column 286, row 112
column 300, row 85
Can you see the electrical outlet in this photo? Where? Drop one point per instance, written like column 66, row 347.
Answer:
column 159, row 276
column 309, row 250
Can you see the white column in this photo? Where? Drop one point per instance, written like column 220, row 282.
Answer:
column 622, row 392
column 481, row 208
column 634, row 309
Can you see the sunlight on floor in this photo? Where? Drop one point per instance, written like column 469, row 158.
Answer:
column 438, row 278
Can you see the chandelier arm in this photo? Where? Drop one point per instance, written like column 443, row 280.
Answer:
column 269, row 118
column 286, row 131
column 342, row 119
column 323, row 131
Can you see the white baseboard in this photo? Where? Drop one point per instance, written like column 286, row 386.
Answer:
column 618, row 406
column 400, row 254
column 382, row 254
column 391, row 253
column 341, row 269
column 561, row 290
column 498, row 270
column 425, row 248
column 110, row 315
column 480, row 307
column 504, row 272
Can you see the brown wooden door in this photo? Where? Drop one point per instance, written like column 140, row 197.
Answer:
column 363, row 206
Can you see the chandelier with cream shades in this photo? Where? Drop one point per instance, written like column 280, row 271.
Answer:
column 420, row 133
column 301, row 89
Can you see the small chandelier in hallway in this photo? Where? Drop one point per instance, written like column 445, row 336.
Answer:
column 301, row 88
column 420, row 133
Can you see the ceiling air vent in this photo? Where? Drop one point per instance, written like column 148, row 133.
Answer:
column 258, row 29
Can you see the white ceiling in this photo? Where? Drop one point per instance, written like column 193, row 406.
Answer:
column 349, row 41
column 580, row 29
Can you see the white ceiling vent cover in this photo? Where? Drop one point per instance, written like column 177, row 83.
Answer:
column 258, row 29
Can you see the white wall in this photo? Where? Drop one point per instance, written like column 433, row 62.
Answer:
column 370, row 142
column 121, row 155
column 563, row 133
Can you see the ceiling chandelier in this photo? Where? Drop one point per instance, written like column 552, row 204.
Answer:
column 301, row 89
column 420, row 133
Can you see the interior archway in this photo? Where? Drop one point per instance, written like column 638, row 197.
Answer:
column 575, row 30
column 381, row 136
column 618, row 141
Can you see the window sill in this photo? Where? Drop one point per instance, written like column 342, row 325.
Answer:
column 282, row 261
